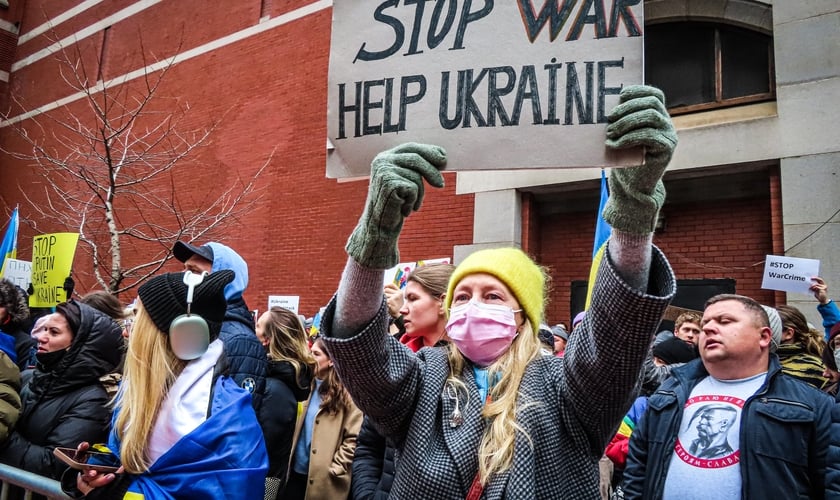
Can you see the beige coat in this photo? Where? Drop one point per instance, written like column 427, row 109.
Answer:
column 331, row 453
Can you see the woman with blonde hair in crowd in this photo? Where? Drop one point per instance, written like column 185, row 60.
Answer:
column 181, row 428
column 801, row 349
column 325, row 438
column 288, row 377
column 491, row 416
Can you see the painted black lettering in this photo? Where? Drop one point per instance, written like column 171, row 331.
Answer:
column 438, row 33
column 574, row 99
column 470, row 107
column 469, row 17
column 534, row 23
column 367, row 105
column 343, row 108
column 527, row 89
column 603, row 90
column 495, row 106
column 598, row 19
column 395, row 24
column 406, row 98
column 443, row 114
column 621, row 12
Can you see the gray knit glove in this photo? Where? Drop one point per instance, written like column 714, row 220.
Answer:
column 637, row 193
column 396, row 189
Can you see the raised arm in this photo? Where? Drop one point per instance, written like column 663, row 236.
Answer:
column 635, row 283
column 381, row 375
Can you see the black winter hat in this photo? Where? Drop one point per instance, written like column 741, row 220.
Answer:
column 674, row 350
column 71, row 312
column 164, row 298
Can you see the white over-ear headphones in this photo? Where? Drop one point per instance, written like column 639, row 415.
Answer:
column 189, row 335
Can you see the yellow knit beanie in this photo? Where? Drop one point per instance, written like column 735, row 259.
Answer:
column 513, row 268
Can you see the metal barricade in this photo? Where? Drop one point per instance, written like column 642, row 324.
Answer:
column 31, row 483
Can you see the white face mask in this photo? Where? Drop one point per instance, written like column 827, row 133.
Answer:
column 837, row 358
column 482, row 332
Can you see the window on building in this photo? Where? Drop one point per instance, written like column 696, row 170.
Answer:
column 705, row 66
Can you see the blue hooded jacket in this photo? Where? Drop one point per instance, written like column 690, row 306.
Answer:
column 245, row 356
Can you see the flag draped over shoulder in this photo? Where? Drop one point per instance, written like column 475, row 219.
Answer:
column 8, row 249
column 602, row 234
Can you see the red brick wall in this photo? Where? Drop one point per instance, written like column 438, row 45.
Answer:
column 267, row 93
column 715, row 240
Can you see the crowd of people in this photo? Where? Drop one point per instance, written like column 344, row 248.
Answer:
column 454, row 386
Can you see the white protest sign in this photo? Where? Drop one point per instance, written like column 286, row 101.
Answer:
column 399, row 273
column 789, row 274
column 499, row 84
column 290, row 302
column 18, row 272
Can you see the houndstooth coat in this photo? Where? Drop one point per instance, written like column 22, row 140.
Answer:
column 571, row 406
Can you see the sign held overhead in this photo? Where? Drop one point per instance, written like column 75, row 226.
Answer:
column 500, row 85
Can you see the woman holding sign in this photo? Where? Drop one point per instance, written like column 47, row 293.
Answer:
column 491, row 416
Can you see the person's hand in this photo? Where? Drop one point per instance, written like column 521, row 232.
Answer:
column 396, row 189
column 69, row 286
column 637, row 193
column 87, row 480
column 820, row 290
column 394, row 299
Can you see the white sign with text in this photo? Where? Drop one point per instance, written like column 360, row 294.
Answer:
column 290, row 302
column 789, row 274
column 18, row 272
column 500, row 85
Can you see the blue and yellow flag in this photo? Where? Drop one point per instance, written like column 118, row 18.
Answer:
column 602, row 234
column 8, row 250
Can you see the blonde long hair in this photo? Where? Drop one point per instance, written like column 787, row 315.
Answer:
column 287, row 341
column 495, row 453
column 150, row 370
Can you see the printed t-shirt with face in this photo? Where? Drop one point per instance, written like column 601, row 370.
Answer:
column 705, row 463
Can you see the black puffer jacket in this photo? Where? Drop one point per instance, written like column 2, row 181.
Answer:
column 68, row 404
column 279, row 412
column 373, row 465
column 245, row 356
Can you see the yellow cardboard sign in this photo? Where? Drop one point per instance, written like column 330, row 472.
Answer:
column 52, row 260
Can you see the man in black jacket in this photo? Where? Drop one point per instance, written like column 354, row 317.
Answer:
column 245, row 357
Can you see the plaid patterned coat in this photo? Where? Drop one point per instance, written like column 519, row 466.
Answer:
column 571, row 406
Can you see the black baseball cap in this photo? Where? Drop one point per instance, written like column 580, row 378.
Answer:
column 183, row 251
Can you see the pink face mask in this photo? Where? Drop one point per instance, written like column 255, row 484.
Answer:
column 482, row 332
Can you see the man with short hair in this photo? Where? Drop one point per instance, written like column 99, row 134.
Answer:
column 723, row 425
column 246, row 362
column 687, row 327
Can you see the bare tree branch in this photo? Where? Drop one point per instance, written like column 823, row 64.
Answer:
column 107, row 171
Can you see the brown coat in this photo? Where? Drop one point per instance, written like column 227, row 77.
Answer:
column 331, row 452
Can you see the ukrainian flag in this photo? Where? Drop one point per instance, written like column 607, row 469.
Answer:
column 9, row 247
column 602, row 234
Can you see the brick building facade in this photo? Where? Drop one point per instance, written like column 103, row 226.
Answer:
column 259, row 69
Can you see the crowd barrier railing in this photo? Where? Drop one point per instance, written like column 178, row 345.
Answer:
column 31, row 483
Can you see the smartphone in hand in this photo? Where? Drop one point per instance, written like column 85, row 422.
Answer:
column 88, row 460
